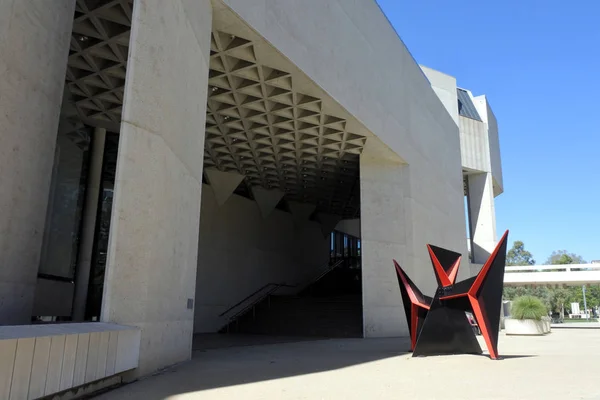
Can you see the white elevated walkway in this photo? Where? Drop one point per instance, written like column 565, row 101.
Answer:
column 570, row 274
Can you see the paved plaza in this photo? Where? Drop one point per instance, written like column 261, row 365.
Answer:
column 562, row 365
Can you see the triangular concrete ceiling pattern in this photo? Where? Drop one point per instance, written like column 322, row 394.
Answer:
column 98, row 59
column 262, row 121
column 260, row 126
column 266, row 200
column 223, row 184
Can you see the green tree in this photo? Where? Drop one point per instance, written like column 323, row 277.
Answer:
column 559, row 297
column 512, row 292
column 561, row 257
column 517, row 255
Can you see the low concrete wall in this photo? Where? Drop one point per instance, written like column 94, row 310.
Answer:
column 40, row 360
column 526, row 327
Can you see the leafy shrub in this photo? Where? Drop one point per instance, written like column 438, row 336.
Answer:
column 528, row 307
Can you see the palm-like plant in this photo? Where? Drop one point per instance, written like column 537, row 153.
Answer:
column 528, row 307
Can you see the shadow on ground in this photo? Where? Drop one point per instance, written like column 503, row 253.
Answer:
column 515, row 356
column 238, row 365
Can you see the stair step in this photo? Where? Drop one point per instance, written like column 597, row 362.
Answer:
column 332, row 316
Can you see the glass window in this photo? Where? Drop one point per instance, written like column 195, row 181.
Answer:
column 98, row 268
column 65, row 203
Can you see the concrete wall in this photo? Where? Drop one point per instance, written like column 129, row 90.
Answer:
column 474, row 144
column 240, row 251
column 34, row 43
column 386, row 227
column 445, row 87
column 480, row 144
column 373, row 76
column 484, row 109
column 40, row 360
column 153, row 246
column 482, row 212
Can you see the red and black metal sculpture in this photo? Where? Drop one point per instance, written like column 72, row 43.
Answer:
column 439, row 325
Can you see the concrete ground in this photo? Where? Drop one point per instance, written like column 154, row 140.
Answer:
column 562, row 365
column 577, row 325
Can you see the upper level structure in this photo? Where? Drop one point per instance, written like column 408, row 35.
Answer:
column 568, row 274
column 480, row 159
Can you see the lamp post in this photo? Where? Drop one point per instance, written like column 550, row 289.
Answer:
column 584, row 303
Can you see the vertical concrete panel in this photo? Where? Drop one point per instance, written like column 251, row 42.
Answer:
column 22, row 369
column 128, row 350
column 153, row 245
column 482, row 216
column 69, row 360
column 83, row 341
column 34, row 44
column 92, row 359
column 102, row 355
column 385, row 231
column 444, row 87
column 39, row 368
column 55, row 363
column 111, row 356
column 8, row 350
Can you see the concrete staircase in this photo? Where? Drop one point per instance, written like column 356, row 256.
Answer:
column 330, row 307
column 339, row 316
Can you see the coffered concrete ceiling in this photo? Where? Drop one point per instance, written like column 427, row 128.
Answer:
column 266, row 120
column 98, row 59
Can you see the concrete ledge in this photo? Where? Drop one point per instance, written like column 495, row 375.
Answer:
column 40, row 360
column 577, row 325
column 526, row 327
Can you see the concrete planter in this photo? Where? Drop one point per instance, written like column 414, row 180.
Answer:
column 525, row 327
column 547, row 324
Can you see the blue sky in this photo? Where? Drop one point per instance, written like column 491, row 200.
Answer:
column 539, row 64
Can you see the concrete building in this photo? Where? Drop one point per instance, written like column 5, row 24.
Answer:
column 480, row 158
column 167, row 166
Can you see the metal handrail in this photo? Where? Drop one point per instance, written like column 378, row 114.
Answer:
column 320, row 276
column 253, row 305
column 275, row 285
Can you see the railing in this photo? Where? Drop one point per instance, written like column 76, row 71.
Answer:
column 271, row 286
column 322, row 274
column 264, row 292
column 552, row 274
column 553, row 268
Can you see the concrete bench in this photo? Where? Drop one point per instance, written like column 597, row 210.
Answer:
column 39, row 360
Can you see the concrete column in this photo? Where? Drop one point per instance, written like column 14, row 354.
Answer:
column 386, row 234
column 482, row 216
column 88, row 230
column 34, row 44
column 153, row 247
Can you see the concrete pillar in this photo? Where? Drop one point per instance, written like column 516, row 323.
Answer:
column 153, row 246
column 386, row 234
column 34, row 44
column 482, row 216
column 88, row 228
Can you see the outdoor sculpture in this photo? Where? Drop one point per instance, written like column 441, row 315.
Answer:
column 439, row 325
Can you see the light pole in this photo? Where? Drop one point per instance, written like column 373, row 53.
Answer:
column 584, row 302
